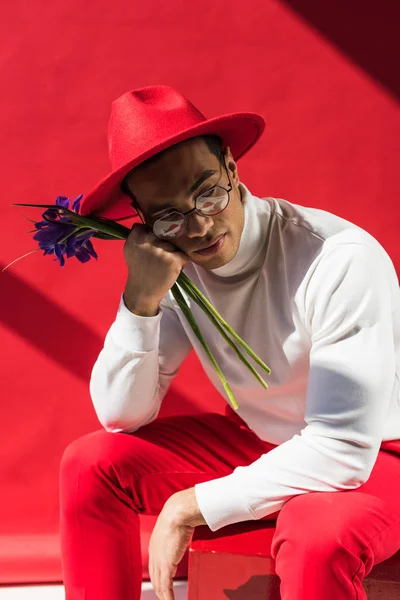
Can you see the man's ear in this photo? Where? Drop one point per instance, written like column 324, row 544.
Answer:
column 231, row 165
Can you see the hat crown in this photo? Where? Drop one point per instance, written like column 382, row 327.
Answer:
column 143, row 118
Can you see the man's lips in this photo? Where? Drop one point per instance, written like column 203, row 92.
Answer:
column 210, row 243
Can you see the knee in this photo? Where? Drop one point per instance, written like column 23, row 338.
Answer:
column 85, row 452
column 87, row 465
column 318, row 524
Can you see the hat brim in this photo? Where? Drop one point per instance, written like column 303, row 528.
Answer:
column 239, row 131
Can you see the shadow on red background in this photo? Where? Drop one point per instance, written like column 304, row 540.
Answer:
column 366, row 32
column 59, row 334
column 324, row 74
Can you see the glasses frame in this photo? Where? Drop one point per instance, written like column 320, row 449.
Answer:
column 136, row 206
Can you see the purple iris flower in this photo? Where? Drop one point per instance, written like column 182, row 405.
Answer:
column 81, row 246
column 58, row 235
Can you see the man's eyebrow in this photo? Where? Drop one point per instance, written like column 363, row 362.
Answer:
column 205, row 175
column 201, row 179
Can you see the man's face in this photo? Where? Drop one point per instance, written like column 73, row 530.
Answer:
column 165, row 184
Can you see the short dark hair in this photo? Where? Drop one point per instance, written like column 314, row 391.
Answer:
column 214, row 144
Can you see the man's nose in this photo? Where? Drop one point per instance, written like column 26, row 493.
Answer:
column 198, row 225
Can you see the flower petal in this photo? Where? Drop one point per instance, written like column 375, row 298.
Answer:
column 76, row 205
column 41, row 224
column 62, row 201
column 69, row 250
column 59, row 254
column 53, row 233
column 82, row 255
column 89, row 247
column 50, row 213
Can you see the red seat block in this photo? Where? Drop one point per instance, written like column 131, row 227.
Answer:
column 235, row 562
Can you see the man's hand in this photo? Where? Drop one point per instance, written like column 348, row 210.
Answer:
column 170, row 538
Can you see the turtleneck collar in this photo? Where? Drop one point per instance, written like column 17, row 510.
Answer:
column 251, row 251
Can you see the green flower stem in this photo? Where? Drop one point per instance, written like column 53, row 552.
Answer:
column 120, row 232
column 257, row 359
column 216, row 324
column 188, row 314
column 83, row 231
column 106, row 226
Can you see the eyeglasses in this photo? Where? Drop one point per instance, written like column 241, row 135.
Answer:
column 173, row 223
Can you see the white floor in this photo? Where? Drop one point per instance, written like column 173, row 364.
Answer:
column 56, row 592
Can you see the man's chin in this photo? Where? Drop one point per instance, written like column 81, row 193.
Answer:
column 213, row 262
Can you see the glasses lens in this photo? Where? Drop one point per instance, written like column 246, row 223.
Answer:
column 172, row 225
column 213, row 202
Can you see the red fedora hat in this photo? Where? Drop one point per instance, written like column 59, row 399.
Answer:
column 148, row 120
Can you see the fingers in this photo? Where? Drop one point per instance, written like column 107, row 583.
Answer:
column 152, row 572
column 162, row 581
column 162, row 578
column 142, row 232
column 166, row 583
column 145, row 233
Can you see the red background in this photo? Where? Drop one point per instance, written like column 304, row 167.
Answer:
column 323, row 74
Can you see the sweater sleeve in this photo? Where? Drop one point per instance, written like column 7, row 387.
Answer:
column 348, row 305
column 140, row 357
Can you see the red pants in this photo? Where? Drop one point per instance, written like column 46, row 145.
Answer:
column 325, row 543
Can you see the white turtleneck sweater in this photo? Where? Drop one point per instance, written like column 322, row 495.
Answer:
column 317, row 298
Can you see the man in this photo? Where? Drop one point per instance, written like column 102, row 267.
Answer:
column 314, row 295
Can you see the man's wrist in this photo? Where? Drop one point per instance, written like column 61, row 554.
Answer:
column 141, row 308
column 184, row 509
